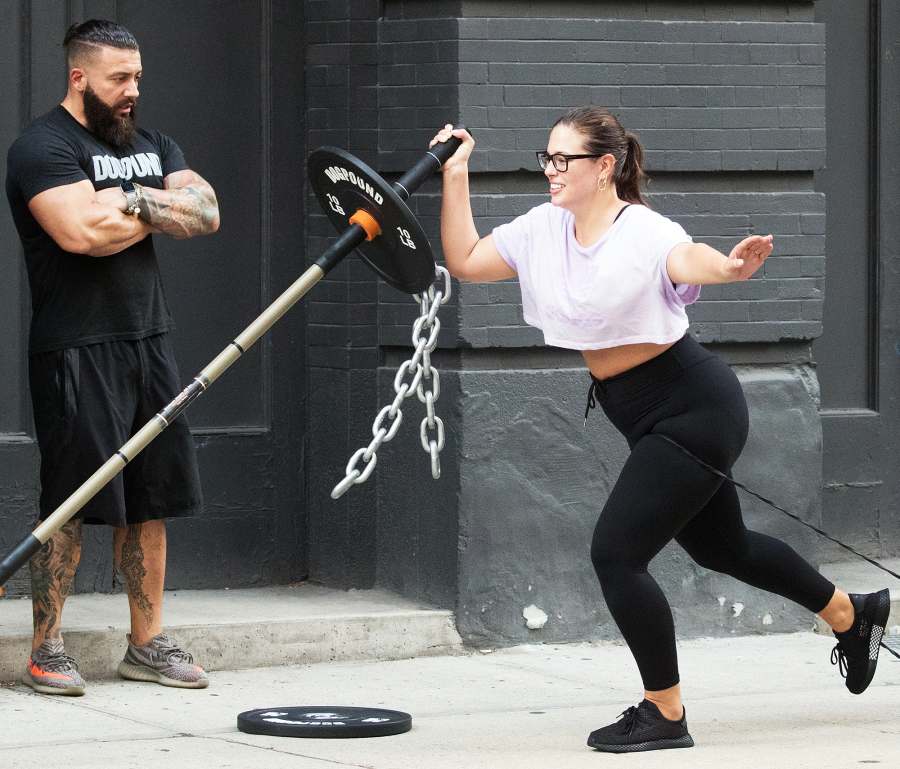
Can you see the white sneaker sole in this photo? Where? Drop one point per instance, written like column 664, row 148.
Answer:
column 144, row 673
column 68, row 691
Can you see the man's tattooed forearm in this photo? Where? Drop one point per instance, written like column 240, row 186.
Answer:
column 131, row 565
column 182, row 212
column 52, row 576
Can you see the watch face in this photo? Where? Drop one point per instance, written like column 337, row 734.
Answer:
column 128, row 185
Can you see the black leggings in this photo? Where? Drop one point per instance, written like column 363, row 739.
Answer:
column 692, row 397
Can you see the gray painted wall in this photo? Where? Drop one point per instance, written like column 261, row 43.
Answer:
column 536, row 480
column 729, row 101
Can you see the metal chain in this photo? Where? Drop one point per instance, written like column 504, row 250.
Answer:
column 415, row 376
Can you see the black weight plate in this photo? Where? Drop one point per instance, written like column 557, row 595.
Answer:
column 328, row 721
column 401, row 255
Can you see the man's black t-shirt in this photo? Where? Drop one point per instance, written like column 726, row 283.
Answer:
column 76, row 299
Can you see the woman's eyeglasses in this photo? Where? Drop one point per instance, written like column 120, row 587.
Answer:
column 560, row 161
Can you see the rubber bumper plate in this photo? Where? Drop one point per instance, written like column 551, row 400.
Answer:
column 328, row 721
column 401, row 255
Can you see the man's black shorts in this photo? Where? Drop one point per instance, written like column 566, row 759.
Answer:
column 88, row 401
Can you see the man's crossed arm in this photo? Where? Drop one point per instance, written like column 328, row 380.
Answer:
column 83, row 221
column 185, row 208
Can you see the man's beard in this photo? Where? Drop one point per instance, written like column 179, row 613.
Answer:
column 103, row 121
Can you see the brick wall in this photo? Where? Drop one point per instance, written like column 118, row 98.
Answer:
column 733, row 106
column 727, row 98
column 342, row 310
column 730, row 112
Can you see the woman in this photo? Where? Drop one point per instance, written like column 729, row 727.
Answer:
column 602, row 273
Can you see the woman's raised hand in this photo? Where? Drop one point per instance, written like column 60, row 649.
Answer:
column 747, row 257
column 460, row 158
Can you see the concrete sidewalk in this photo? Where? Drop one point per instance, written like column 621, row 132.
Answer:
column 761, row 701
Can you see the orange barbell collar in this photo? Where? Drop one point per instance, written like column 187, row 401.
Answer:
column 368, row 222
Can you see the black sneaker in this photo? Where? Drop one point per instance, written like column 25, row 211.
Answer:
column 856, row 653
column 642, row 728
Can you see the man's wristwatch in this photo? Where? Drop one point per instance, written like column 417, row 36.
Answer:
column 132, row 198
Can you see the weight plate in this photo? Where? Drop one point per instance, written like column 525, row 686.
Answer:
column 324, row 721
column 401, row 255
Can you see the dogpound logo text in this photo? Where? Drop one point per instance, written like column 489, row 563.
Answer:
column 141, row 164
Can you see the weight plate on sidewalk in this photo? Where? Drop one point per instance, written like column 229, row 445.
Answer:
column 329, row 721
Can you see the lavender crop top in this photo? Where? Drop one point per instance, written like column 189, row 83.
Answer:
column 614, row 292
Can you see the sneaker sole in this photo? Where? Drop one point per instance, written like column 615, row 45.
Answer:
column 67, row 691
column 879, row 621
column 143, row 673
column 681, row 742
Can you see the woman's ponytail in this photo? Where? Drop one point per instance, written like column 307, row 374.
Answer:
column 631, row 176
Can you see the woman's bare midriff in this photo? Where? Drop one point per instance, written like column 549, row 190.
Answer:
column 604, row 364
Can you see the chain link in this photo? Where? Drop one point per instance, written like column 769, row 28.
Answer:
column 415, row 376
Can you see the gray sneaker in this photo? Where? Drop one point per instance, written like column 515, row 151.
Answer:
column 51, row 671
column 161, row 661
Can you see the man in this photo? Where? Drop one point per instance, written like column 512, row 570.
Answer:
column 88, row 190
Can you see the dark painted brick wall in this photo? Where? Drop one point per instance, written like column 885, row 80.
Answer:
column 727, row 98
column 342, row 341
column 705, row 98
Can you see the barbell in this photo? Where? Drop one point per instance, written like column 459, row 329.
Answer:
column 371, row 216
